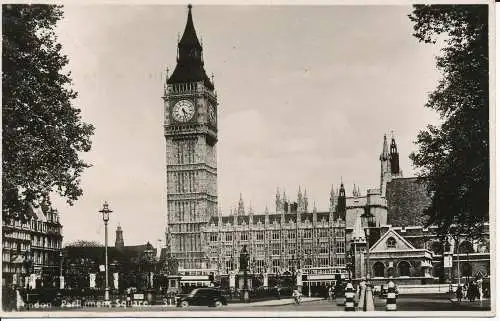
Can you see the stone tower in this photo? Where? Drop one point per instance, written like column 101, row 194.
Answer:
column 333, row 200
column 385, row 166
column 394, row 156
column 119, row 242
column 341, row 203
column 190, row 127
column 389, row 164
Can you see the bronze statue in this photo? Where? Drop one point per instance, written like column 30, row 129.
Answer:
column 244, row 257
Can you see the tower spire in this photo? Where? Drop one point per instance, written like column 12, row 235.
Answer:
column 394, row 156
column 341, row 203
column 385, row 150
column 190, row 57
column 119, row 242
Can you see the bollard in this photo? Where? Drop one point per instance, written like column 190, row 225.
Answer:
column 349, row 297
column 391, row 297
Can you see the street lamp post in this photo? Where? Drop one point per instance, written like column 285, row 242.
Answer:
column 349, row 266
column 61, row 279
column 369, row 219
column 149, row 261
column 28, row 263
column 105, row 217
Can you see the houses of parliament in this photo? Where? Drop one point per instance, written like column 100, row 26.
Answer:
column 323, row 244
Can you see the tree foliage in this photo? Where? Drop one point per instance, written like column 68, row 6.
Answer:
column 454, row 156
column 84, row 243
column 43, row 133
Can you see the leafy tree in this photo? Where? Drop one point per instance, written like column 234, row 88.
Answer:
column 84, row 243
column 43, row 133
column 454, row 156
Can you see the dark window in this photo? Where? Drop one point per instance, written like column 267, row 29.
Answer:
column 378, row 269
column 404, row 268
column 391, row 242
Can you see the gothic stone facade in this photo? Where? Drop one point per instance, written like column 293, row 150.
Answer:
column 191, row 135
column 282, row 242
column 415, row 255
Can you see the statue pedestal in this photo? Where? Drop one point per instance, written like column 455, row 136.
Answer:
column 245, row 295
column 244, row 285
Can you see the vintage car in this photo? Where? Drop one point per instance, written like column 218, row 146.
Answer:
column 204, row 297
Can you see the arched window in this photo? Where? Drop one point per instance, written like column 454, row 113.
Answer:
column 404, row 268
column 378, row 269
column 466, row 247
column 391, row 242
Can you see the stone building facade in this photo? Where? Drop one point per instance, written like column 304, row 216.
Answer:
column 32, row 247
column 399, row 245
column 281, row 242
column 415, row 255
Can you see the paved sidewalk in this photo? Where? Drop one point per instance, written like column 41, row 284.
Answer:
column 272, row 302
column 477, row 303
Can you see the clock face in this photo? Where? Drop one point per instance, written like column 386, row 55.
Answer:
column 212, row 115
column 183, row 111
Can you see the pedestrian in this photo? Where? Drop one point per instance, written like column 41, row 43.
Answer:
column 330, row 293
column 476, row 291
column 459, row 293
column 297, row 296
column 129, row 297
column 470, row 292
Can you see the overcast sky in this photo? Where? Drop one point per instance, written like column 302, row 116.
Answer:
column 306, row 94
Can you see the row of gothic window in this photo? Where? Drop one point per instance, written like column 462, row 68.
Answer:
column 185, row 243
column 184, row 87
column 275, row 235
column 185, row 151
column 260, row 266
column 183, row 210
column 185, row 182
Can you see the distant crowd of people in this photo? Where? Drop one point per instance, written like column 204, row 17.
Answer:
column 470, row 291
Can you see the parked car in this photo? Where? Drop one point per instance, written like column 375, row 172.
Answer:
column 204, row 297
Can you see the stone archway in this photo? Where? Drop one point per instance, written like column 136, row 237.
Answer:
column 378, row 270
column 404, row 268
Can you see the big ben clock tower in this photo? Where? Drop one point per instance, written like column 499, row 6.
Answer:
column 191, row 135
